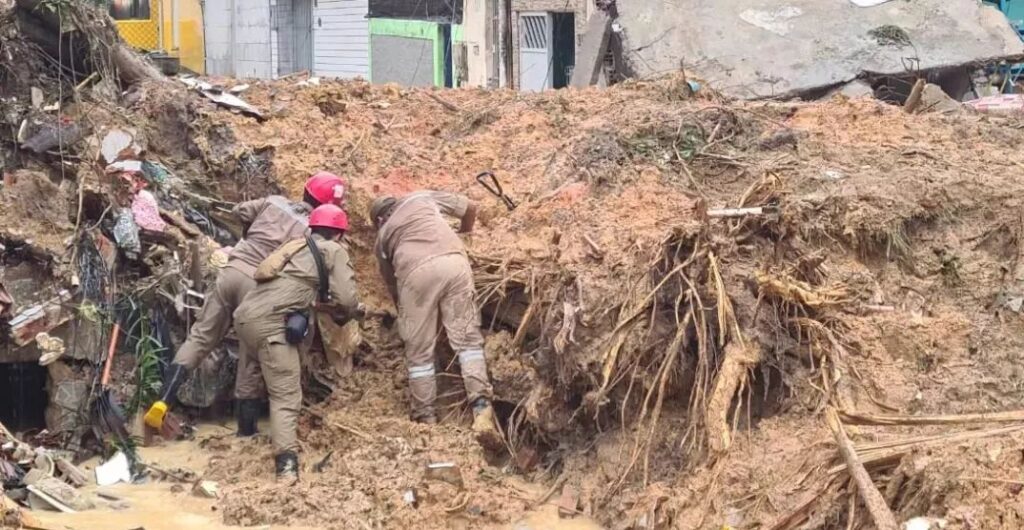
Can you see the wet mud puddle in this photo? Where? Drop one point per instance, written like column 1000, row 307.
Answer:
column 152, row 505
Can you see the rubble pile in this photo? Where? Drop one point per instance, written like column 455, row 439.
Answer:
column 682, row 289
column 690, row 303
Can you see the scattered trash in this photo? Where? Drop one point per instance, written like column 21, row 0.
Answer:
column 54, row 493
column 52, row 348
column 37, row 97
column 114, row 470
column 238, row 89
column 119, row 144
column 323, row 463
column 224, row 99
column 206, row 488
column 868, row 3
column 569, row 501
column 6, row 301
column 155, row 173
column 146, row 212
column 312, row 81
column 925, row 523
column 410, row 498
column 126, row 166
column 998, row 104
column 126, row 233
column 53, row 135
column 755, row 211
column 40, row 318
column 445, row 472
column 831, row 174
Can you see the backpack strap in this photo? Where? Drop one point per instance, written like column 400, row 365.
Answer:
column 323, row 286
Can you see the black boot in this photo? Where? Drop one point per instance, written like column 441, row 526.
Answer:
column 286, row 465
column 248, row 415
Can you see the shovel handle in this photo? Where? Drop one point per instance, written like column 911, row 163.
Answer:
column 110, row 354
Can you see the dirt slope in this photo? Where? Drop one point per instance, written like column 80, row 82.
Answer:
column 885, row 285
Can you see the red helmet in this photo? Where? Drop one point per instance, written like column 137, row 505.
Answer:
column 329, row 216
column 326, row 188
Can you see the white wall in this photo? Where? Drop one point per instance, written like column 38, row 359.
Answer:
column 252, row 39
column 341, row 39
column 238, row 38
column 476, row 23
column 217, row 19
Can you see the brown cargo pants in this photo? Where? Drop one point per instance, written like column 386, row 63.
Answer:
column 212, row 325
column 441, row 292
column 282, row 372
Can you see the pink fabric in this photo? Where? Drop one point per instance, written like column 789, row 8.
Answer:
column 147, row 212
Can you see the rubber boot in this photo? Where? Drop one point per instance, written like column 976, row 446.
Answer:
column 484, row 427
column 248, row 416
column 286, row 467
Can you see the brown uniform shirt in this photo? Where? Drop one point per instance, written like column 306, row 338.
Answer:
column 416, row 232
column 272, row 221
column 295, row 289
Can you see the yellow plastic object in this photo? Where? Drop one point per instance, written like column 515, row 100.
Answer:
column 155, row 415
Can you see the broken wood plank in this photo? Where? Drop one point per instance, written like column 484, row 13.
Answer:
column 877, row 508
column 443, row 103
column 742, row 212
column 857, row 418
column 914, row 99
column 71, row 472
column 49, row 499
column 569, row 501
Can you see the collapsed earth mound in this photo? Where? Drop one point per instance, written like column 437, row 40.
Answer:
column 666, row 358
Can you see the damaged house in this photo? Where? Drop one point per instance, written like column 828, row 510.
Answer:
column 753, row 49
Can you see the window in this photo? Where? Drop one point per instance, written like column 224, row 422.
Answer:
column 129, row 9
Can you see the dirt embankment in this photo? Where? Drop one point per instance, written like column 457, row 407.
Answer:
column 670, row 367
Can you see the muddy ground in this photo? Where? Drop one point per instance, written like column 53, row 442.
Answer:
column 671, row 367
column 911, row 223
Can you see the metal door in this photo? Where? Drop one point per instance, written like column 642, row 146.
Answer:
column 302, row 22
column 535, row 41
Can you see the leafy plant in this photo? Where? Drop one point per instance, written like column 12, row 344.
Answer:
column 148, row 352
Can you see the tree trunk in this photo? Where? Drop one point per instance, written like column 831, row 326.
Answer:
column 45, row 29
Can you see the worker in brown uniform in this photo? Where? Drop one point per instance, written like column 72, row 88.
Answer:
column 424, row 264
column 275, row 320
column 267, row 223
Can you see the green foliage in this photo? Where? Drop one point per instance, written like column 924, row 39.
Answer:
column 148, row 352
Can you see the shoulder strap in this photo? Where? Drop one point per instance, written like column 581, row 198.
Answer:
column 323, row 287
column 269, row 268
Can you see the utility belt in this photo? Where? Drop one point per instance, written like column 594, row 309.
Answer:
column 296, row 323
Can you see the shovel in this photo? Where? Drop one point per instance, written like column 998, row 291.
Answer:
column 111, row 415
column 490, row 183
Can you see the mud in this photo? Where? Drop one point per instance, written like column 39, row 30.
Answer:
column 670, row 367
column 155, row 505
column 917, row 214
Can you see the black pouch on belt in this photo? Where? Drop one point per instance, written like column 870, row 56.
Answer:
column 296, row 326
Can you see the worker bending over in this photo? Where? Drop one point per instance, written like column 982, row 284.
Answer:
column 267, row 223
column 424, row 264
column 276, row 319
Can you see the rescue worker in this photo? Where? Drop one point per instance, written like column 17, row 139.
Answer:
column 276, row 319
column 267, row 223
column 424, row 264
